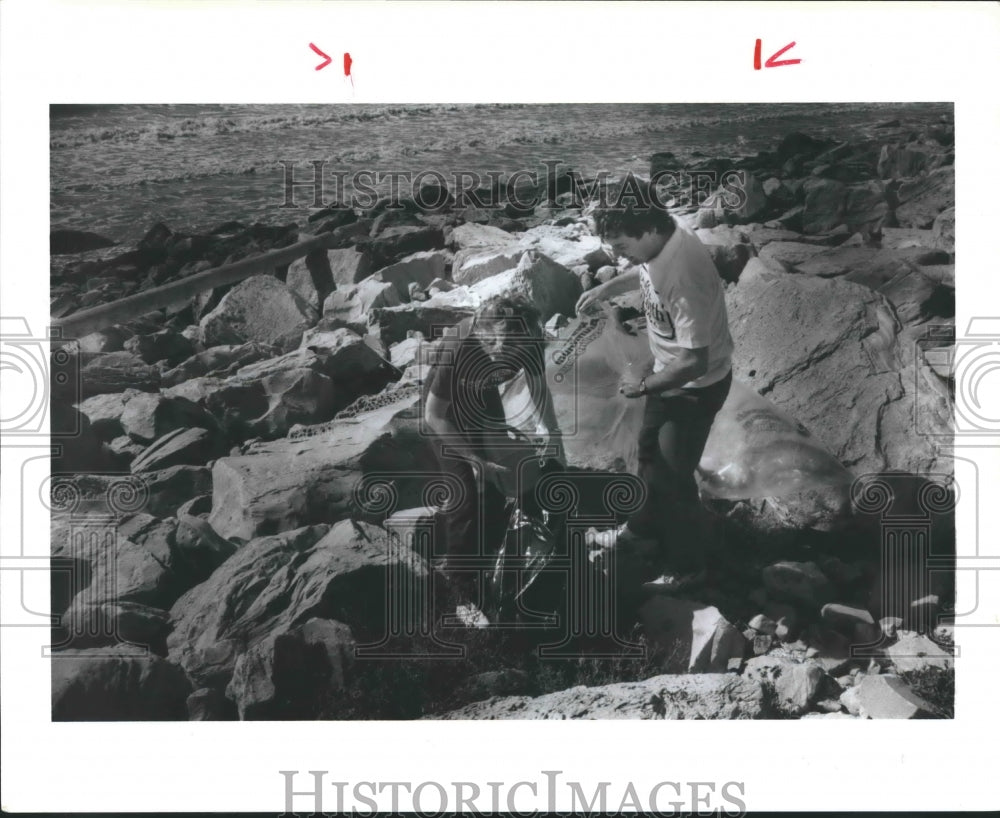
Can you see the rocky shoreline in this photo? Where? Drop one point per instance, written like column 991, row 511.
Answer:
column 229, row 458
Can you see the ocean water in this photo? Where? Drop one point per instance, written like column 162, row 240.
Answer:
column 117, row 169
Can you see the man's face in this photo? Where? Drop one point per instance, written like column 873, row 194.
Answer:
column 637, row 250
column 495, row 336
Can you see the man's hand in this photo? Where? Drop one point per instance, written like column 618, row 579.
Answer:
column 589, row 299
column 631, row 388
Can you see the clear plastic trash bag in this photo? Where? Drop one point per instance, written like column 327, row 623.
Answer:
column 754, row 449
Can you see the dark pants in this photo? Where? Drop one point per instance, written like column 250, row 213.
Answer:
column 671, row 442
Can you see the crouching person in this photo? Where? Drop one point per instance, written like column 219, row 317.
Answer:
column 463, row 410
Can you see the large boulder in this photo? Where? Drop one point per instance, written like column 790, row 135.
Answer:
column 944, row 229
column 159, row 492
column 468, row 235
column 350, row 306
column 276, row 583
column 690, row 636
column 823, row 208
column 395, row 243
column 420, row 269
column 105, row 412
column 315, row 476
column 696, row 696
column 147, row 416
column 482, row 262
column 570, row 246
column 430, row 317
column 828, row 353
column 108, row 372
column 107, row 623
column 870, row 265
column 138, row 562
column 904, row 161
column 788, row 254
column 923, row 199
column 296, row 674
column 307, row 385
column 551, row 287
column 260, row 308
column 218, row 361
column 753, row 204
column 865, row 206
column 349, row 265
column 187, row 447
column 117, row 684
column 795, row 686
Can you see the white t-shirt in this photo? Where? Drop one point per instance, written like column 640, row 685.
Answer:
column 685, row 307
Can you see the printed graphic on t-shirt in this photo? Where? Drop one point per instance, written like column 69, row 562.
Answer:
column 656, row 315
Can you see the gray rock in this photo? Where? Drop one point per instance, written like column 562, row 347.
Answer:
column 420, row 269
column 275, row 583
column 260, row 308
column 796, row 685
column 210, row 704
column 923, row 199
column 296, row 674
column 788, row 254
column 916, row 653
column 865, row 206
column 189, row 447
column 829, row 354
column 481, row 263
column 108, row 623
column 690, row 636
column 117, row 684
column 110, row 339
column 823, row 208
column 110, row 372
column 218, row 362
column 889, row 697
column 696, row 696
column 469, row 235
column 105, row 412
column 138, row 565
column 944, row 229
column 350, row 306
column 349, row 265
column 147, row 417
column 312, row 479
column 548, row 285
column 802, row 581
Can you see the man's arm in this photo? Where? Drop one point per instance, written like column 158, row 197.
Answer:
column 619, row 285
column 436, row 418
column 686, row 367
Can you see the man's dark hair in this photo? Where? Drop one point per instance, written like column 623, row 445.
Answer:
column 520, row 316
column 631, row 207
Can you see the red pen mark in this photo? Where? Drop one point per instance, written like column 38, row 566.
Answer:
column 347, row 67
column 773, row 61
column 325, row 57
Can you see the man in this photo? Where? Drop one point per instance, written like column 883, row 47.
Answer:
column 682, row 297
column 463, row 408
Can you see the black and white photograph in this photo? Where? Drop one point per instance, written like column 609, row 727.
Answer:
column 490, row 407
column 502, row 411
